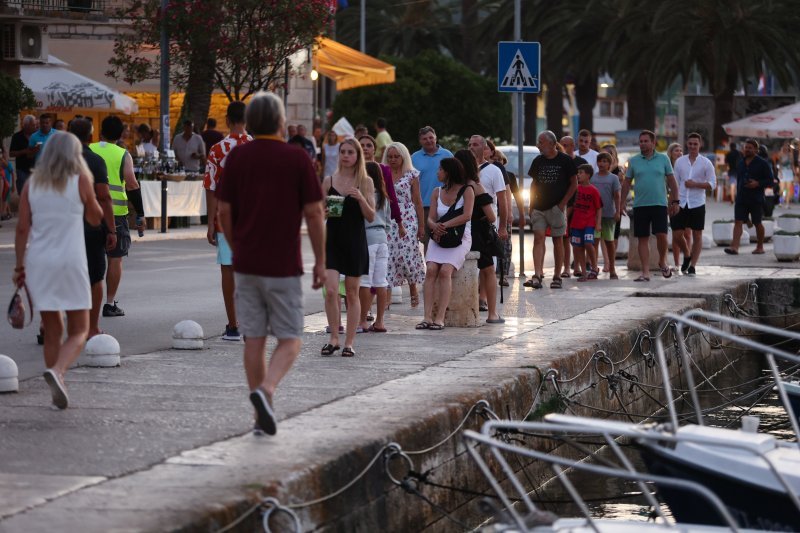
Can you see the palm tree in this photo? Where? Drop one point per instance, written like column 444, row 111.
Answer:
column 728, row 42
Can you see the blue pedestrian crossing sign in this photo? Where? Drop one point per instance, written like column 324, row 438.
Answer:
column 518, row 65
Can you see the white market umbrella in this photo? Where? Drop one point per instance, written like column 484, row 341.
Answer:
column 782, row 123
column 57, row 88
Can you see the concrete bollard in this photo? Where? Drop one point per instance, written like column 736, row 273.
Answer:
column 101, row 351
column 397, row 295
column 187, row 335
column 9, row 374
column 708, row 242
column 635, row 262
column 462, row 312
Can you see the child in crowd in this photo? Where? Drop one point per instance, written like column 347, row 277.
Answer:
column 586, row 216
column 377, row 245
column 609, row 188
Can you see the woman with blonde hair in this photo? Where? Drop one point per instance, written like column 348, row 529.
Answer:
column 404, row 254
column 51, row 254
column 346, row 251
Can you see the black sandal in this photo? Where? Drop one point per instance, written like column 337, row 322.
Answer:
column 556, row 283
column 348, row 352
column 534, row 283
column 436, row 327
column 423, row 325
column 329, row 349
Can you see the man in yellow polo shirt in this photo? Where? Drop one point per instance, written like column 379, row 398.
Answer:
column 123, row 188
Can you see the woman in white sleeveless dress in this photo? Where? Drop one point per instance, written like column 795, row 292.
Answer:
column 443, row 262
column 52, row 206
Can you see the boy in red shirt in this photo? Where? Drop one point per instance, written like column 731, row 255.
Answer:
column 586, row 216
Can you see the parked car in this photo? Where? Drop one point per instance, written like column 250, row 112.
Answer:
column 512, row 154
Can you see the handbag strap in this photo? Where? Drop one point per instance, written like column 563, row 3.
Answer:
column 30, row 303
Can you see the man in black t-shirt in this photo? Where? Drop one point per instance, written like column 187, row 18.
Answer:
column 554, row 182
column 98, row 238
column 22, row 152
column 753, row 175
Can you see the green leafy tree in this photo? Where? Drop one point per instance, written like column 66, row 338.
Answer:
column 430, row 89
column 237, row 46
column 15, row 97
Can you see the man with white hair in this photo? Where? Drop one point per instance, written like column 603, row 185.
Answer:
column 555, row 180
column 267, row 263
column 22, row 152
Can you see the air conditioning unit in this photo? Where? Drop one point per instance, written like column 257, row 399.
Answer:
column 24, row 41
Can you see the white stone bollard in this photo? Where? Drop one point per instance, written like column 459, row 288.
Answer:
column 744, row 240
column 397, row 295
column 462, row 312
column 101, row 351
column 187, row 335
column 9, row 374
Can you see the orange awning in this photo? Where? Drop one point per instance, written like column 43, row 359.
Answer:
column 349, row 68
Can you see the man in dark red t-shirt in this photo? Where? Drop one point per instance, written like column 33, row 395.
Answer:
column 269, row 187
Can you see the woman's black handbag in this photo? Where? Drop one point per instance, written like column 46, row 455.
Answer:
column 493, row 244
column 453, row 237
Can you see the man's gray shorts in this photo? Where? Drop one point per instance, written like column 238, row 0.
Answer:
column 554, row 218
column 269, row 306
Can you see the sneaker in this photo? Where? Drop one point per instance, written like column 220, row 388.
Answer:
column 231, row 334
column 690, row 271
column 263, row 406
column 112, row 310
column 685, row 265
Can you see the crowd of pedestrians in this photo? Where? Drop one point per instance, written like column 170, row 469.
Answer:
column 378, row 217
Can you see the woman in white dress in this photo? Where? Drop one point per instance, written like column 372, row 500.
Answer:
column 52, row 207
column 443, row 262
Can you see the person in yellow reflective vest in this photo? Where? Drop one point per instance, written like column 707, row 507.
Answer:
column 124, row 188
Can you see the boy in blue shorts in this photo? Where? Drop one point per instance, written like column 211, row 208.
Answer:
column 608, row 186
column 586, row 216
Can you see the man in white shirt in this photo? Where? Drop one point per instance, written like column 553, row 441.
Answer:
column 190, row 150
column 584, row 148
column 695, row 175
column 492, row 181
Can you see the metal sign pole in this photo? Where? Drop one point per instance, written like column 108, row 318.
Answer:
column 164, row 104
column 520, row 147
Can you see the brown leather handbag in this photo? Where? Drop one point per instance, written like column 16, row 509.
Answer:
column 16, row 309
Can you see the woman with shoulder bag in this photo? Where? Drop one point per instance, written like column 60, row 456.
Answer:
column 54, row 202
column 450, row 241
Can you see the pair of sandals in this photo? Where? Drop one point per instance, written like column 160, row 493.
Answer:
column 536, row 283
column 433, row 326
column 665, row 271
column 590, row 276
column 330, row 349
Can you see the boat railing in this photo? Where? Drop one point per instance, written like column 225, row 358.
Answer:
column 492, row 437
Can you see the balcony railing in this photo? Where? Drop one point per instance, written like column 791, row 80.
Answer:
column 68, row 8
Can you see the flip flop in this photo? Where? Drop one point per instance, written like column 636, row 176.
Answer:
column 731, row 251
column 329, row 349
column 373, row 329
column 758, row 252
column 642, row 278
column 666, row 272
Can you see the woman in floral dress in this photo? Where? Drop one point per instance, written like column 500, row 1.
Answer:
column 405, row 258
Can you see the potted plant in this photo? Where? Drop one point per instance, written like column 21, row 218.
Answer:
column 786, row 245
column 623, row 244
column 722, row 232
column 789, row 222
